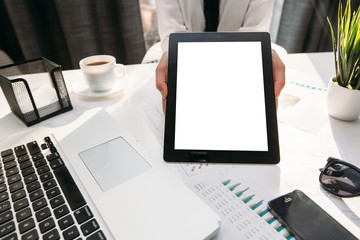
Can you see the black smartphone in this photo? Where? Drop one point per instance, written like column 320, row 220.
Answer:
column 304, row 219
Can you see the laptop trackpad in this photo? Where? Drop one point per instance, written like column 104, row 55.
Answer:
column 113, row 163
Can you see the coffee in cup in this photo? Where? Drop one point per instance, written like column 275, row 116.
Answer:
column 101, row 72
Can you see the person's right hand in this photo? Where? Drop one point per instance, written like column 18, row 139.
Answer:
column 161, row 78
column 279, row 75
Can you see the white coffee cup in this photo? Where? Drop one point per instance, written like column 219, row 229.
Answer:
column 101, row 72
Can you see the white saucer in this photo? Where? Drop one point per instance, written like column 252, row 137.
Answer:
column 83, row 90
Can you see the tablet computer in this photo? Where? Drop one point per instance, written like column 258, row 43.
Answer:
column 221, row 105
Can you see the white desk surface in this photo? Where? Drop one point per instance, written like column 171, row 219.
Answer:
column 302, row 152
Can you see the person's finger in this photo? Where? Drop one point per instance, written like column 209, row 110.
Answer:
column 161, row 75
column 164, row 104
column 279, row 73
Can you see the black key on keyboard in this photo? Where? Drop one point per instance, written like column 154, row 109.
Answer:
column 2, row 179
column 9, row 165
column 56, row 163
column 46, row 225
column 7, row 228
column 27, row 171
column 33, row 186
column 61, row 211
column 89, row 227
column 69, row 187
column 40, row 163
column 23, row 158
column 36, row 195
column 83, row 214
column 39, row 204
column 16, row 186
column 57, row 201
column 71, row 233
column 53, row 192
column 25, row 164
column 26, row 225
column 2, row 187
column 66, row 222
column 52, row 156
column 99, row 235
column 53, row 150
column 43, row 146
column 4, row 206
column 32, row 235
column 33, row 147
column 52, row 235
column 8, row 158
column 43, row 169
column 37, row 156
column 12, row 171
column 42, row 214
column 6, row 216
column 21, row 204
column 18, row 195
column 49, row 184
column 12, row 236
column 14, row 179
column 20, row 150
column 6, row 153
column 30, row 178
column 4, row 196
column 46, row 176
column 23, row 214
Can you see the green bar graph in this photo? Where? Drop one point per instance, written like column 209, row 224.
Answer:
column 288, row 236
column 232, row 187
column 248, row 198
column 278, row 227
column 256, row 205
column 239, row 193
column 270, row 220
column 262, row 212
column 226, row 182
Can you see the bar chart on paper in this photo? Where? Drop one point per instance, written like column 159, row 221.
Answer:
column 243, row 212
column 256, row 205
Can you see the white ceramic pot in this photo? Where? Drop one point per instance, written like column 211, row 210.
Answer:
column 343, row 103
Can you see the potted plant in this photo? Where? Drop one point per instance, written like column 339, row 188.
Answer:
column 344, row 89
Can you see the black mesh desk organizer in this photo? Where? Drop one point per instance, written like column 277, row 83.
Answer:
column 16, row 81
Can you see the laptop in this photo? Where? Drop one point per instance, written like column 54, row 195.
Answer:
column 94, row 183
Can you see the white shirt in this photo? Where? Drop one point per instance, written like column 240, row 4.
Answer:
column 234, row 15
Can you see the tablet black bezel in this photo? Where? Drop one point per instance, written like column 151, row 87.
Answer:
column 272, row 156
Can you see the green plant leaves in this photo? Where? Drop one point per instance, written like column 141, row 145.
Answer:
column 346, row 47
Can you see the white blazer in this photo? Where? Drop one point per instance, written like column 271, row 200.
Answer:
column 234, row 15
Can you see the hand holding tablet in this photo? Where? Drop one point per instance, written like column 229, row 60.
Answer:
column 220, row 105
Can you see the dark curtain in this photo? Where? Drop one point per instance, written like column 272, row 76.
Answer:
column 303, row 25
column 66, row 31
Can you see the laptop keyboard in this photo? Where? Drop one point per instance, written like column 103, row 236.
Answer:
column 39, row 199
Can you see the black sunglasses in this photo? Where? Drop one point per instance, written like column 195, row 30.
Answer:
column 340, row 178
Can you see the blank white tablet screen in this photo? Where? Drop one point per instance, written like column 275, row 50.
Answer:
column 220, row 102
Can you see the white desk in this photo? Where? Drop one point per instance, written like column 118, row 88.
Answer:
column 302, row 152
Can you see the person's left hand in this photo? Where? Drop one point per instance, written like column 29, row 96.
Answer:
column 161, row 76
